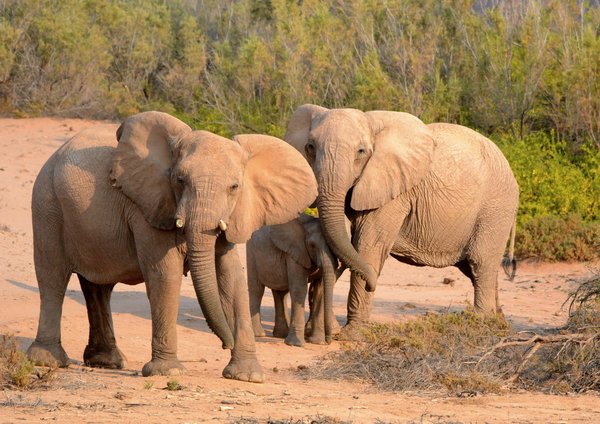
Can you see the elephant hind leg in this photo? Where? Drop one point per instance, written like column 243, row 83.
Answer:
column 282, row 316
column 53, row 276
column 101, row 350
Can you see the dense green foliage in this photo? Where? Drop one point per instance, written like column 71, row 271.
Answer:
column 525, row 72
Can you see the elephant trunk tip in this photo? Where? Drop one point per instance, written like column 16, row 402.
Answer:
column 228, row 344
column 370, row 279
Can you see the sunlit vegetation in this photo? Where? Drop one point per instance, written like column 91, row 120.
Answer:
column 525, row 73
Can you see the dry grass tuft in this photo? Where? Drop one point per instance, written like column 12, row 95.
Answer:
column 463, row 354
column 16, row 371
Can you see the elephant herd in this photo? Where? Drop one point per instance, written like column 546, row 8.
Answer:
column 160, row 199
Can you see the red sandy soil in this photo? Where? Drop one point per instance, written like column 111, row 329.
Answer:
column 81, row 394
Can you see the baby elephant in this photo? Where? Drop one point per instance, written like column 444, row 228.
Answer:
column 286, row 258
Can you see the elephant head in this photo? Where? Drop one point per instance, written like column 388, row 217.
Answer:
column 367, row 159
column 204, row 184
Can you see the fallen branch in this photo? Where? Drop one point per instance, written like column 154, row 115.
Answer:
column 537, row 340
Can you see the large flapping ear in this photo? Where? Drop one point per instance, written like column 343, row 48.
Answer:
column 278, row 185
column 142, row 163
column 290, row 238
column 299, row 126
column 402, row 154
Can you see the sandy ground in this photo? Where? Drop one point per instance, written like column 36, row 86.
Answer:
column 81, row 394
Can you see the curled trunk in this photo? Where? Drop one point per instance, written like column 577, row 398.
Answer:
column 332, row 217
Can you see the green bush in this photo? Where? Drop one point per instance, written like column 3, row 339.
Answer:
column 554, row 238
column 559, row 205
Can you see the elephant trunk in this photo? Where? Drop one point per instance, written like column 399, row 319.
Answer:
column 332, row 217
column 328, row 271
column 201, row 261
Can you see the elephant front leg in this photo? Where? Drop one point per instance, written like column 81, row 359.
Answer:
column 163, row 294
column 233, row 291
column 359, row 299
column 298, row 283
column 373, row 239
column 101, row 350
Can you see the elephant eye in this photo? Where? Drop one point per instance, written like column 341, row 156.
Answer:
column 233, row 188
column 180, row 179
column 361, row 151
column 310, row 150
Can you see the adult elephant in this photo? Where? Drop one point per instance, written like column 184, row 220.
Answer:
column 435, row 195
column 163, row 200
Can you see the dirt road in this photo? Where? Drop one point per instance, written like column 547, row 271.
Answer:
column 81, row 394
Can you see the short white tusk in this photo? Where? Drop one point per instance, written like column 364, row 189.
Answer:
column 222, row 225
column 179, row 223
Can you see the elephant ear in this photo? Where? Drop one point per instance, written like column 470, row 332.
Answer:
column 402, row 155
column 278, row 185
column 299, row 126
column 290, row 238
column 142, row 162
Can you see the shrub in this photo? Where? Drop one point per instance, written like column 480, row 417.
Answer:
column 559, row 205
column 464, row 353
column 554, row 238
column 16, row 370
column 433, row 352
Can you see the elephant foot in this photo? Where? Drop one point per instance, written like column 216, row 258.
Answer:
column 317, row 337
column 352, row 332
column 259, row 332
column 104, row 357
column 280, row 332
column 293, row 340
column 48, row 355
column 163, row 367
column 244, row 370
column 335, row 327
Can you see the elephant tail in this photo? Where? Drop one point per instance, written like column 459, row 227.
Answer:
column 509, row 263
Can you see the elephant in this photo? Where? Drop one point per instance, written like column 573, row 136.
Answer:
column 158, row 201
column 428, row 195
column 287, row 258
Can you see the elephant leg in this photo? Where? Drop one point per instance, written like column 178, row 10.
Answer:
column 315, row 327
column 163, row 294
column 101, row 350
column 298, row 284
column 373, row 237
column 256, row 291
column 313, row 288
column 233, row 290
column 282, row 317
column 53, row 277
column 484, row 266
column 484, row 258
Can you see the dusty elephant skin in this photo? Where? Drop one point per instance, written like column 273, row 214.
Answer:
column 137, row 211
column 287, row 258
column 436, row 195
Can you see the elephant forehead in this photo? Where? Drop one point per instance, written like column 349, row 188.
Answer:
column 212, row 149
column 346, row 123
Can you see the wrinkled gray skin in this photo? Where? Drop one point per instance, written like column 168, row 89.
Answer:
column 287, row 258
column 436, row 195
column 108, row 213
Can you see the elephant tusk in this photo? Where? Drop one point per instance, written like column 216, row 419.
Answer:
column 222, row 225
column 179, row 223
